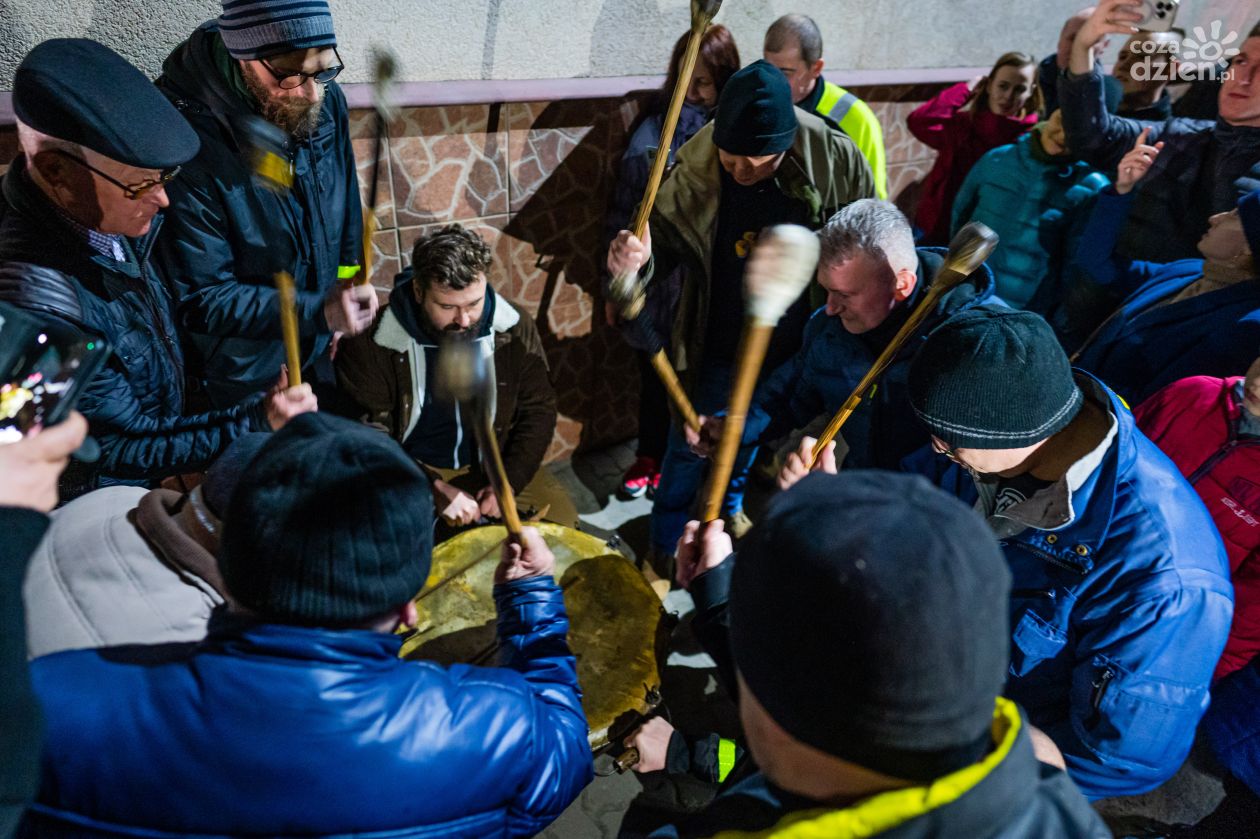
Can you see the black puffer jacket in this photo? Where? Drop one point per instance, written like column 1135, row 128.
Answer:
column 134, row 405
column 227, row 235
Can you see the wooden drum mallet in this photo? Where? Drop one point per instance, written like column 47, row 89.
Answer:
column 780, row 268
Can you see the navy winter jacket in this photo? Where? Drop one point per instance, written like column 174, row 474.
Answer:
column 1148, row 344
column 831, row 362
column 1193, row 178
column 228, row 234
column 1119, row 616
column 269, row 729
column 134, row 406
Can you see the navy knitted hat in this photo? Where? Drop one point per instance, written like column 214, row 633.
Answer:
column 332, row 524
column 226, row 471
column 263, row 28
column 991, row 378
column 755, row 114
column 83, row 92
column 869, row 619
column 1249, row 214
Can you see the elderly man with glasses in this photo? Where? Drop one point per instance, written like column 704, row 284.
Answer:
column 81, row 209
column 259, row 79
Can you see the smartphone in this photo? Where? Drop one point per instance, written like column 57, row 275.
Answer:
column 1157, row 15
column 44, row 367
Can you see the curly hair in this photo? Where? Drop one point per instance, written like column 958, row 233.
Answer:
column 453, row 257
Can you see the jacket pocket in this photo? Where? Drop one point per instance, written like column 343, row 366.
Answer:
column 1140, row 719
column 1033, row 643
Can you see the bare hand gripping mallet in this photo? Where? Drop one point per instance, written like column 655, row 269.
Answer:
column 967, row 252
column 626, row 290
column 780, row 268
column 463, row 376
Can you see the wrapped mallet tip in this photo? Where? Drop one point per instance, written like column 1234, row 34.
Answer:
column 970, row 247
column 461, row 371
column 705, row 8
column 779, row 270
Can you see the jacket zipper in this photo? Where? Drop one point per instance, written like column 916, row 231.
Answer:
column 1220, row 454
column 1100, row 687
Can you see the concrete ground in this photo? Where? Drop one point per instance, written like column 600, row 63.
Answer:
column 696, row 703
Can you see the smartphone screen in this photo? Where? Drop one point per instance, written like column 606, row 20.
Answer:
column 43, row 369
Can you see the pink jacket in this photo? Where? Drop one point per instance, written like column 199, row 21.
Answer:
column 1195, row 422
column 960, row 137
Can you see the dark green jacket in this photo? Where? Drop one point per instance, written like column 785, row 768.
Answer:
column 823, row 169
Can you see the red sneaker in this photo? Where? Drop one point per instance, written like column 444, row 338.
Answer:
column 643, row 474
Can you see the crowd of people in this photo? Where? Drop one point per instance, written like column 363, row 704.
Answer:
column 1024, row 577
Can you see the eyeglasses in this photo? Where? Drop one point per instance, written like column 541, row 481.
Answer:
column 133, row 192
column 292, row 80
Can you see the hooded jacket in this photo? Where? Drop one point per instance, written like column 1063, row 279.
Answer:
column 961, row 137
column 229, row 233
column 823, row 170
column 1038, row 209
column 1192, row 179
column 279, row 730
column 1198, row 422
column 831, row 361
column 386, row 372
column 118, row 568
column 135, row 403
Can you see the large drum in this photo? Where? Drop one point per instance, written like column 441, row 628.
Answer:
column 618, row 628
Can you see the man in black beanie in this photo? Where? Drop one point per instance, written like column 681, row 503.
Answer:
column 866, row 632
column 761, row 162
column 262, row 75
column 295, row 716
column 1122, row 600
column 80, row 212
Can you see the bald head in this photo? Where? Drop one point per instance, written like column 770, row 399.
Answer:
column 797, row 31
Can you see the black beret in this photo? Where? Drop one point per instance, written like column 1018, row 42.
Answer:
column 83, row 92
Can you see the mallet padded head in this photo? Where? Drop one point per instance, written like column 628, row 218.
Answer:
column 969, row 249
column 461, row 371
column 779, row 270
column 705, row 9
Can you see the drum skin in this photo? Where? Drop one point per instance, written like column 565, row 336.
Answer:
column 618, row 628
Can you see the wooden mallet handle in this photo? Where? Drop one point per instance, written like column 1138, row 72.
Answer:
column 289, row 326
column 780, row 268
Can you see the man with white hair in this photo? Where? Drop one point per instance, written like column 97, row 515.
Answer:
column 874, row 278
column 80, row 212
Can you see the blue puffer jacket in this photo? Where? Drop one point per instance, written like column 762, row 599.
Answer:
column 227, row 234
column 1037, row 209
column 268, row 730
column 1147, row 344
column 1119, row 616
column 831, row 362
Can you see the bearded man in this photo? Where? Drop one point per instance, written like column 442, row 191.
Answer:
column 262, row 70
column 389, row 372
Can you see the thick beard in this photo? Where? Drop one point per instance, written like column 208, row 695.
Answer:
column 297, row 116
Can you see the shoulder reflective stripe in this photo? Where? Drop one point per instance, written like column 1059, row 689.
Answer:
column 830, row 97
column 347, row 272
column 841, row 108
column 891, row 809
column 726, row 758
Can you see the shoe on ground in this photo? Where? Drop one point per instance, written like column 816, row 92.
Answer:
column 643, row 475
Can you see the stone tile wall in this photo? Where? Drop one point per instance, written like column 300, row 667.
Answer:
column 534, row 179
